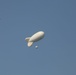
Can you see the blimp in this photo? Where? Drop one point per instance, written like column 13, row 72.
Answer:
column 34, row 38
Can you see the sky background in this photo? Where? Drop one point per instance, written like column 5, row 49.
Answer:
column 56, row 54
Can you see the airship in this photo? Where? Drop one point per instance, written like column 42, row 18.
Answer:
column 34, row 38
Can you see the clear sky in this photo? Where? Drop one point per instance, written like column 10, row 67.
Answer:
column 56, row 54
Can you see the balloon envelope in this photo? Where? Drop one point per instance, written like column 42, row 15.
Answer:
column 36, row 47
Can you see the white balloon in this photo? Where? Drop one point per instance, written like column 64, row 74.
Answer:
column 36, row 47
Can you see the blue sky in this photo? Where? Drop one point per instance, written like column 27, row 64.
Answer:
column 56, row 54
